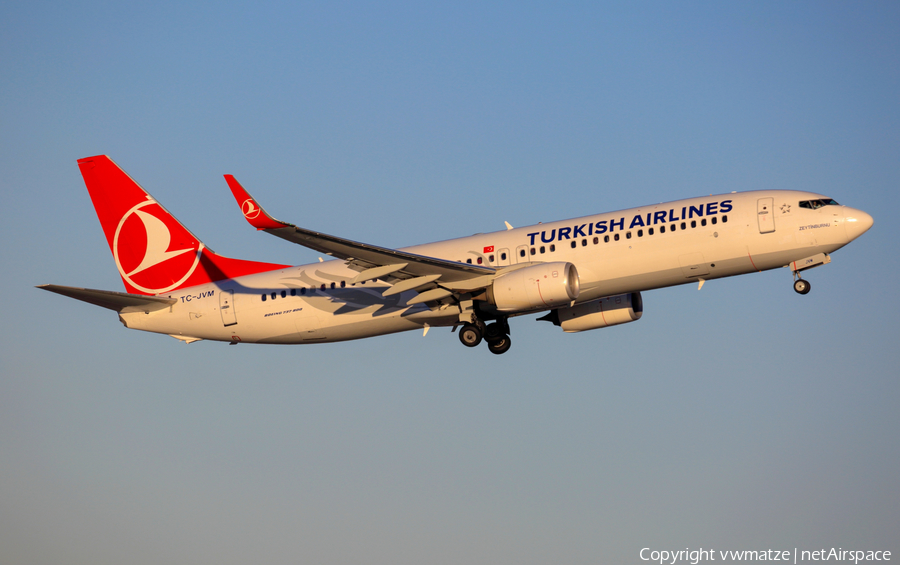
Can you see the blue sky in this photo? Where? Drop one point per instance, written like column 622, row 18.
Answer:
column 742, row 416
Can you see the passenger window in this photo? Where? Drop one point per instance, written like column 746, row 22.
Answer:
column 332, row 285
column 480, row 261
column 543, row 249
column 640, row 233
column 522, row 253
column 662, row 229
column 596, row 240
column 284, row 294
column 714, row 220
column 491, row 258
column 263, row 297
column 584, row 243
column 650, row 231
column 724, row 219
column 532, row 251
column 552, row 247
column 628, row 235
column 503, row 256
column 574, row 244
column 703, row 222
column 684, row 225
column 343, row 284
column 273, row 296
column 323, row 286
column 303, row 290
column 293, row 292
column 469, row 261
column 693, row 223
column 616, row 237
column 605, row 239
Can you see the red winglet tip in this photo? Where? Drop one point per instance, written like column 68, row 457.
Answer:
column 253, row 212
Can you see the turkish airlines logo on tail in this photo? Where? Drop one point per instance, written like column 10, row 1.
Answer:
column 250, row 209
column 154, row 253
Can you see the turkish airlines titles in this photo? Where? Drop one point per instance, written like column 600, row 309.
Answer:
column 637, row 221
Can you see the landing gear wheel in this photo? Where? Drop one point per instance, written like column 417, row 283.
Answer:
column 494, row 332
column 802, row 286
column 500, row 346
column 470, row 335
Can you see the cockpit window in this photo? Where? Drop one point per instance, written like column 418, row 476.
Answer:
column 816, row 204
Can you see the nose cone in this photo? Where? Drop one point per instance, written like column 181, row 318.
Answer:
column 857, row 222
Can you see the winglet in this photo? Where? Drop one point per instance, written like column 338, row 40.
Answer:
column 254, row 213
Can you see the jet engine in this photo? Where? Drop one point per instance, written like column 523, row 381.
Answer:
column 546, row 285
column 602, row 313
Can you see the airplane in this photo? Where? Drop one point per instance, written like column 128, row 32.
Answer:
column 586, row 273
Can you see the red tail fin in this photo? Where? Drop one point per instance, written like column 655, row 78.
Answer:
column 153, row 251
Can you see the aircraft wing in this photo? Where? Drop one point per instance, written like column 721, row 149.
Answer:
column 371, row 261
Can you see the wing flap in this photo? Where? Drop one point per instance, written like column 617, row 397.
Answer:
column 378, row 272
column 429, row 296
column 410, row 284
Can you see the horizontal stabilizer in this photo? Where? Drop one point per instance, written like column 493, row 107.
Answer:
column 119, row 301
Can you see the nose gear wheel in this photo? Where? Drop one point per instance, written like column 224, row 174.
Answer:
column 802, row 286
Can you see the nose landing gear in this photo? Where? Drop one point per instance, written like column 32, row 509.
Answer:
column 801, row 286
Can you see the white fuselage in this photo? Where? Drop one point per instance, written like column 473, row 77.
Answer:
column 753, row 231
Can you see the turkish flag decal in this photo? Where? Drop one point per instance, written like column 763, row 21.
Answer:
column 489, row 249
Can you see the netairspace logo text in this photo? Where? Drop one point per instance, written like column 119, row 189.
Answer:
column 695, row 556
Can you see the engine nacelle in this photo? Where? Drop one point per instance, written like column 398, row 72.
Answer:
column 538, row 287
column 602, row 313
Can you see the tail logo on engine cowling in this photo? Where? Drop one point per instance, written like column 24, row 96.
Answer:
column 250, row 209
column 153, row 252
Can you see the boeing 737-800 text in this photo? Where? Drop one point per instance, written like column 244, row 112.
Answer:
column 588, row 272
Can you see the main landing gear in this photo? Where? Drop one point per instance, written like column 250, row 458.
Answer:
column 495, row 334
column 470, row 335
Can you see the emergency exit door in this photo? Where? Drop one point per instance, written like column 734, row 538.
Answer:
column 522, row 254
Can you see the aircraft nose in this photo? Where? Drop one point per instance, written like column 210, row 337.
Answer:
column 857, row 222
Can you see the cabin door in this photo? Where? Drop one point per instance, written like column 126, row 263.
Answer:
column 226, row 307
column 765, row 214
